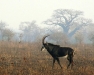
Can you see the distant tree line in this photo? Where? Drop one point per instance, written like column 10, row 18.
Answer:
column 70, row 23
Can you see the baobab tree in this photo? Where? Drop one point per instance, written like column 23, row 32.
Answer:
column 70, row 20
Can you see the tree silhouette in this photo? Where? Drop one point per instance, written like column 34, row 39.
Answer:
column 70, row 20
column 30, row 30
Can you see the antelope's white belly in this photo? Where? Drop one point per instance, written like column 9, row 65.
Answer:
column 65, row 56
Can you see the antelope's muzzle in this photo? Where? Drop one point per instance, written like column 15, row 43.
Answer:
column 42, row 48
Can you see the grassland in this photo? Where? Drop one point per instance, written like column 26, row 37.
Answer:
column 27, row 59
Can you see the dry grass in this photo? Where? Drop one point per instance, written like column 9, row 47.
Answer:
column 27, row 59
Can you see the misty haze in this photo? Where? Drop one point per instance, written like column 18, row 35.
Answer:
column 22, row 32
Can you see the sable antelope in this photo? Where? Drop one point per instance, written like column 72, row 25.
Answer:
column 56, row 51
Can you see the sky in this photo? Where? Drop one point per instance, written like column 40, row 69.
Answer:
column 13, row 12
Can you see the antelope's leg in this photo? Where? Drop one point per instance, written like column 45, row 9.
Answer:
column 59, row 62
column 70, row 59
column 53, row 62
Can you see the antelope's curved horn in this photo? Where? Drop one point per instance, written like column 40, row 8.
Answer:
column 44, row 39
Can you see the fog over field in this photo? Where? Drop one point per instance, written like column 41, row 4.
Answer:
column 24, row 23
column 14, row 14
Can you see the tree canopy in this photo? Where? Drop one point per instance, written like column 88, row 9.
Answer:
column 70, row 20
